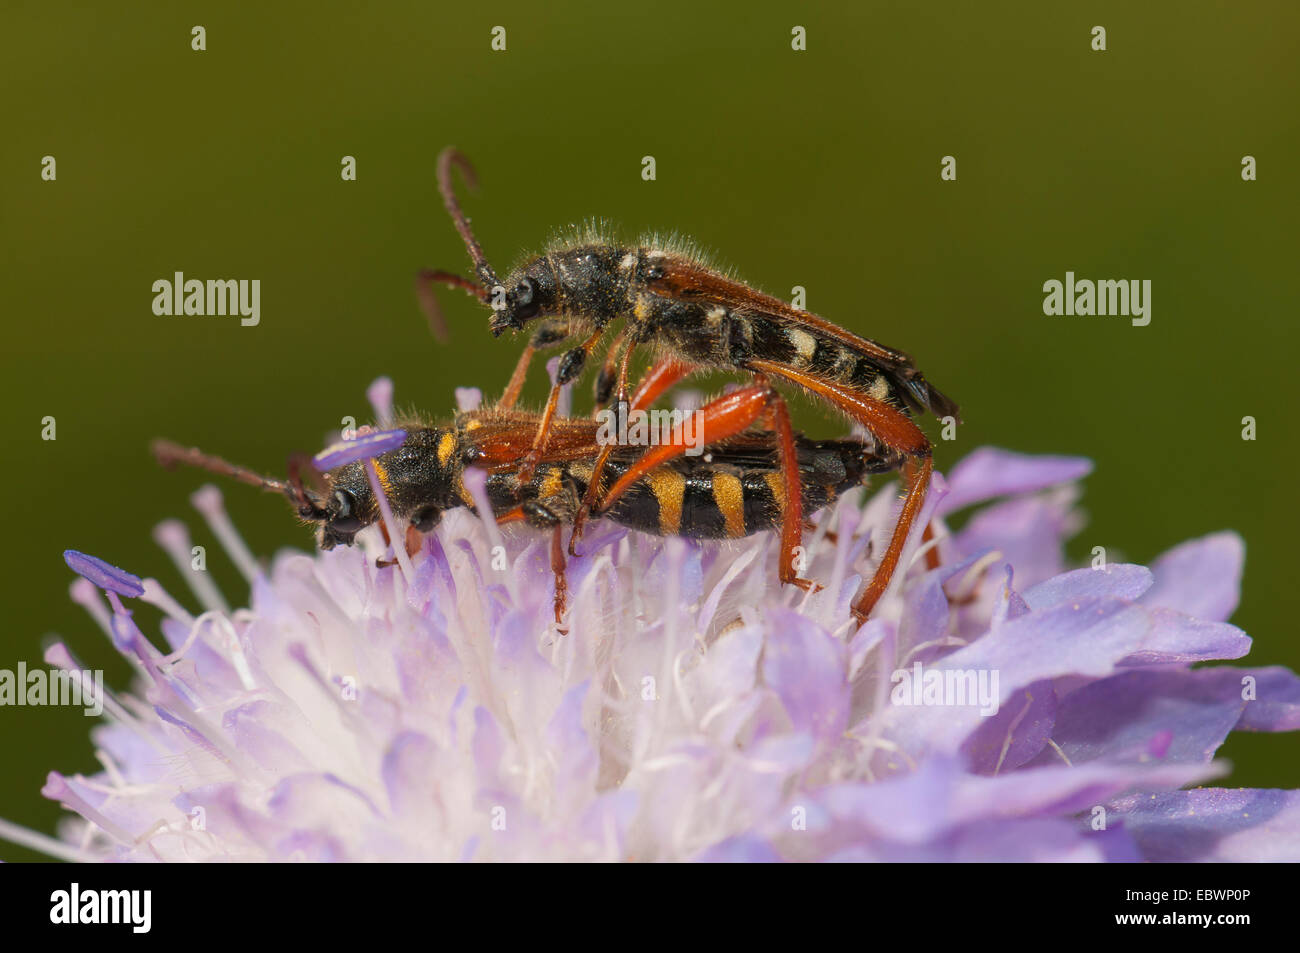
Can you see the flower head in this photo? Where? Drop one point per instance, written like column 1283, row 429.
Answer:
column 1001, row 707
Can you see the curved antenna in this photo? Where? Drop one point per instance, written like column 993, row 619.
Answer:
column 170, row 454
column 446, row 159
column 424, row 282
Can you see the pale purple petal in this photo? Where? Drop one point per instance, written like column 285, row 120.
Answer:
column 1174, row 637
column 1117, row 580
column 990, row 473
column 1014, row 735
column 1089, row 638
column 1222, row 825
column 1118, row 718
column 1201, row 577
column 807, row 668
column 1272, row 698
column 1029, row 532
column 380, row 395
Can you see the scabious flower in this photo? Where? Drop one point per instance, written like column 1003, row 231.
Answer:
column 694, row 709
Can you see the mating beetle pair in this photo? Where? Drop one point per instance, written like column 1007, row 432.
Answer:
column 551, row 471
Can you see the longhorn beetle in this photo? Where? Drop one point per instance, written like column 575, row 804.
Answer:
column 733, row 491
column 697, row 318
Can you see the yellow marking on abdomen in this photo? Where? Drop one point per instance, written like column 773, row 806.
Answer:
column 774, row 483
column 804, row 344
column 463, row 492
column 446, row 446
column 669, row 488
column 846, row 362
column 552, row 484
column 730, row 497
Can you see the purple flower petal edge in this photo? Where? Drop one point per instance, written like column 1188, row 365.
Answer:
column 989, row 473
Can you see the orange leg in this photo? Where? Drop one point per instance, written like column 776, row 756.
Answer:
column 792, row 512
column 549, row 332
column 894, row 429
column 602, row 458
column 722, row 418
column 534, row 456
column 414, row 540
column 891, row 426
column 557, row 570
column 616, row 362
column 516, row 515
column 516, row 384
column 931, row 554
column 657, row 380
column 726, row 417
column 917, row 477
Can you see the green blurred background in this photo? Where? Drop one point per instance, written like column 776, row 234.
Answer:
column 816, row 168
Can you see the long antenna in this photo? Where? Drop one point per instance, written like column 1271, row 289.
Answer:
column 170, row 454
column 446, row 159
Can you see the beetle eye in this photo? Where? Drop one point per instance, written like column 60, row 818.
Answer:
column 344, row 520
column 525, row 292
column 344, row 501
